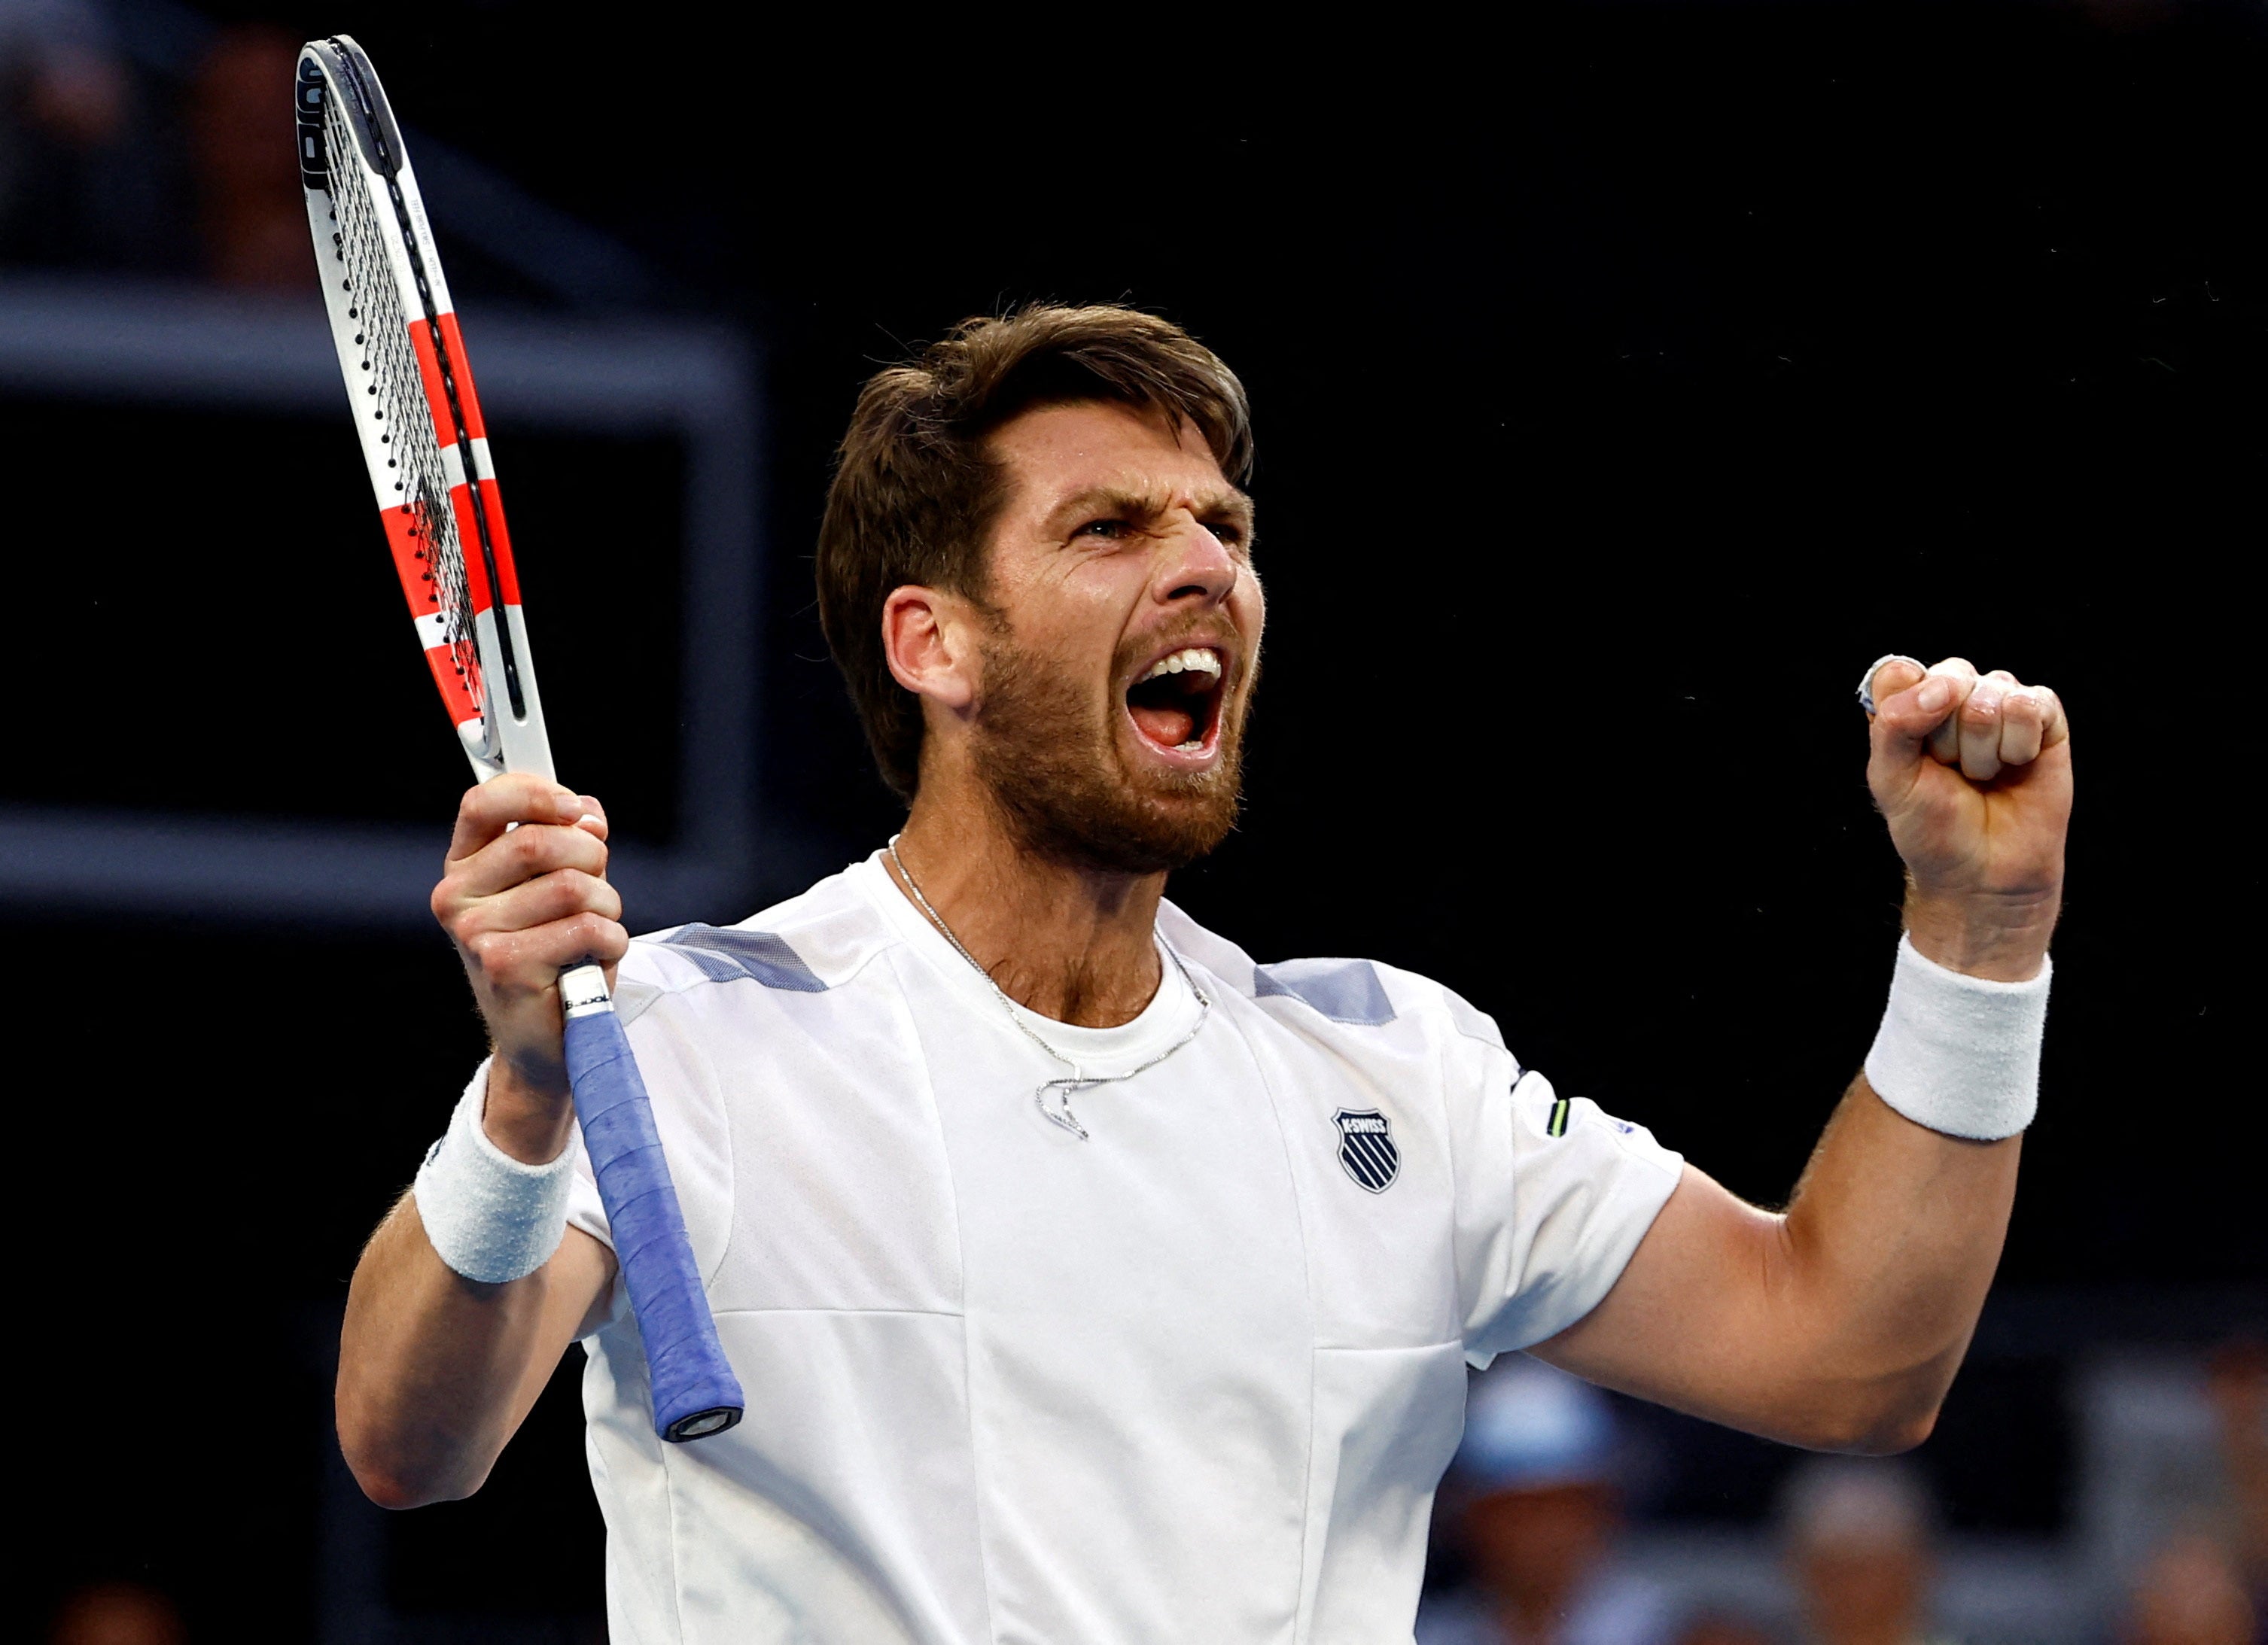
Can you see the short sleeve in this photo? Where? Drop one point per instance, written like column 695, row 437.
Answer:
column 1553, row 1197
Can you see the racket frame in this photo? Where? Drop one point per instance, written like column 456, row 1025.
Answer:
column 695, row 1392
column 509, row 733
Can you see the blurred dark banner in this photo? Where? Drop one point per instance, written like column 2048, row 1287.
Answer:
column 1626, row 378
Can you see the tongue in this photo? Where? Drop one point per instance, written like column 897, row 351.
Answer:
column 1171, row 727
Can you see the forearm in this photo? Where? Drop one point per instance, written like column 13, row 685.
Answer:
column 1880, row 1269
column 462, row 1304
column 436, row 1371
column 1894, row 1230
column 1840, row 1324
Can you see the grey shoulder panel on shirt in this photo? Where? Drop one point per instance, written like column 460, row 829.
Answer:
column 732, row 954
column 1345, row 990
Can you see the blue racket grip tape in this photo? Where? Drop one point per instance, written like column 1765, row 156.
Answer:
column 694, row 1392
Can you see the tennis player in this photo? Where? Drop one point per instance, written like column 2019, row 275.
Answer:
column 1090, row 1282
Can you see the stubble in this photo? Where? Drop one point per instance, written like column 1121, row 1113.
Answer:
column 1063, row 783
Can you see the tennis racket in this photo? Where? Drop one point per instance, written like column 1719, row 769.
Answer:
column 427, row 451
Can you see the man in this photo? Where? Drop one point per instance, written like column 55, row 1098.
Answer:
column 1088, row 1282
column 2190, row 1592
column 1857, row 1537
column 1540, row 1518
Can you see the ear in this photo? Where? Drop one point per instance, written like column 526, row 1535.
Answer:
column 930, row 639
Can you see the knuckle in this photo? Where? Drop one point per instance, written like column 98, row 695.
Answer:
column 574, row 891
column 586, row 890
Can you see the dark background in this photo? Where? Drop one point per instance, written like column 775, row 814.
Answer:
column 1626, row 377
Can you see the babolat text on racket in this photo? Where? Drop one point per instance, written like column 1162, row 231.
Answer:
column 427, row 451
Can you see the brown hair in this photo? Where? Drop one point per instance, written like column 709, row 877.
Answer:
column 915, row 492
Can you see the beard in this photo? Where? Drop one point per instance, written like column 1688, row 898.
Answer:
column 1058, row 772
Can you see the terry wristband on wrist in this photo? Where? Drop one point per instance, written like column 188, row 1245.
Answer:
column 489, row 1217
column 1960, row 1054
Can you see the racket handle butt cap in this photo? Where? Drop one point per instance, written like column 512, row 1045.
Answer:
column 702, row 1424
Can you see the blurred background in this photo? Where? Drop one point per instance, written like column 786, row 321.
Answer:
column 1627, row 377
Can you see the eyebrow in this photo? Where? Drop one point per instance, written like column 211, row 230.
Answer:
column 1094, row 501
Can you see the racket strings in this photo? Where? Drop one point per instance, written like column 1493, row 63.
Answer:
column 395, row 400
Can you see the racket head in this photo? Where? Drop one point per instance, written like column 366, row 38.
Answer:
column 423, row 440
column 426, row 448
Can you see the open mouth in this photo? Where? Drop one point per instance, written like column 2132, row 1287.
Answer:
column 1177, row 705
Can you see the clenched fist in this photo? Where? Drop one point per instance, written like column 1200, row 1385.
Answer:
column 525, row 894
column 1973, row 774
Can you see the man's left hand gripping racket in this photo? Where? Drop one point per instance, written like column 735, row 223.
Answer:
column 428, row 455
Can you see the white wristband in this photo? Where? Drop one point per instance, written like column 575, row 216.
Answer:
column 1958, row 1054
column 490, row 1216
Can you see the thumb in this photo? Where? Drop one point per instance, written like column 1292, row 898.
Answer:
column 1886, row 677
column 1908, row 717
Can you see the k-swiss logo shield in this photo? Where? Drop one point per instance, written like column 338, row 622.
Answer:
column 1366, row 1148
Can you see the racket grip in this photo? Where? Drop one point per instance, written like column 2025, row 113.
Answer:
column 694, row 1392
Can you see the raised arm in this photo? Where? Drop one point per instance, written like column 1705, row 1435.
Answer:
column 436, row 1371
column 1839, row 1325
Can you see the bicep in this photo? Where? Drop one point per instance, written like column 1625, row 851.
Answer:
column 1696, row 1321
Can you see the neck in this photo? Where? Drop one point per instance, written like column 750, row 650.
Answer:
column 1072, row 943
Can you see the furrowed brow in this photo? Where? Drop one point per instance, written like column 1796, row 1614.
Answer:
column 1142, row 507
column 1094, row 501
column 1232, row 506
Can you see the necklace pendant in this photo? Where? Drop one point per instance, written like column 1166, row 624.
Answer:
column 1061, row 1116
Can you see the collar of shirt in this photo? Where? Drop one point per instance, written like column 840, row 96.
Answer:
column 1100, row 1053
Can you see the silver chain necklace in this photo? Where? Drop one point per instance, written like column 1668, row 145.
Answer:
column 1079, row 1078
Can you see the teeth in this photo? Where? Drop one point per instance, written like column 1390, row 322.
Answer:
column 1204, row 660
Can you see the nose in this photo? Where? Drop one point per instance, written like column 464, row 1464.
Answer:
column 1196, row 566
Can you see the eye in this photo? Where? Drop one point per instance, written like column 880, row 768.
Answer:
column 1107, row 530
column 1231, row 534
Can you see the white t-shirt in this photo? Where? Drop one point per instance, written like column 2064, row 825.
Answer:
column 1192, row 1380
